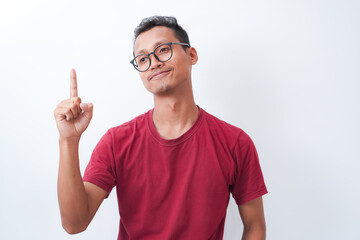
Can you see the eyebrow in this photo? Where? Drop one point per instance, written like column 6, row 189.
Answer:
column 143, row 51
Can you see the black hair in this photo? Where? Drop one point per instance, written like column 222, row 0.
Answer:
column 170, row 22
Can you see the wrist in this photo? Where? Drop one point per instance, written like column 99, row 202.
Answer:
column 69, row 140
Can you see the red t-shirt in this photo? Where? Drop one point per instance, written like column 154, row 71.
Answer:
column 179, row 188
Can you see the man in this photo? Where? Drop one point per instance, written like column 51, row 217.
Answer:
column 174, row 166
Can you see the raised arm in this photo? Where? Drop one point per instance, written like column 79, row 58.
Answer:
column 78, row 201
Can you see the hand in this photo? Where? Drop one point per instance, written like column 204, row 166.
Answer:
column 71, row 115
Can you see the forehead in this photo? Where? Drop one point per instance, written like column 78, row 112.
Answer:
column 147, row 41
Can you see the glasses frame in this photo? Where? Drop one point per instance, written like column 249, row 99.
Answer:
column 153, row 52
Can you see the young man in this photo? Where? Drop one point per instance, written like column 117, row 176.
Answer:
column 174, row 167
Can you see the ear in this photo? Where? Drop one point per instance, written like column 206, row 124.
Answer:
column 193, row 55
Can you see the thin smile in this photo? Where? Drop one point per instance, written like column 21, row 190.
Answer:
column 159, row 74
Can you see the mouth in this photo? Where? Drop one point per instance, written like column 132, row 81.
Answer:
column 159, row 74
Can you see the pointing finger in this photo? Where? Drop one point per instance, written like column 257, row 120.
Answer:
column 73, row 84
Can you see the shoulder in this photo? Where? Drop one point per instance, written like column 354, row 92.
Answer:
column 216, row 124
column 232, row 133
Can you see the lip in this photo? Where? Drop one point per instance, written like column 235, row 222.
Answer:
column 159, row 74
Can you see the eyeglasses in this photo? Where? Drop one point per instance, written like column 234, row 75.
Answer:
column 162, row 53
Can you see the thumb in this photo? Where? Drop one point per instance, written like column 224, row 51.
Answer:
column 88, row 109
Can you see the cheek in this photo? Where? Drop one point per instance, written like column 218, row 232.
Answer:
column 143, row 76
column 182, row 67
column 143, row 79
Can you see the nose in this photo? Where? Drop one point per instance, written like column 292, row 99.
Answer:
column 155, row 63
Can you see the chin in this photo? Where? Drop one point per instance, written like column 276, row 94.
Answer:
column 159, row 88
column 161, row 91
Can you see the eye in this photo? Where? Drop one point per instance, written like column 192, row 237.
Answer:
column 164, row 49
column 142, row 59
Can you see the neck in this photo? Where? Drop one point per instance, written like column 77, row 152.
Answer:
column 174, row 114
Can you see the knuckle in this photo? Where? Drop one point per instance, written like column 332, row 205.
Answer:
column 75, row 100
column 58, row 108
column 71, row 105
column 75, row 107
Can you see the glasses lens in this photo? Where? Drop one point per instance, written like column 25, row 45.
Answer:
column 142, row 62
column 163, row 52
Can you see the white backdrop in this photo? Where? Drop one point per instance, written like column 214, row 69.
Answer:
column 287, row 72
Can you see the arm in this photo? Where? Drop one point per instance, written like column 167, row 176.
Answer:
column 78, row 201
column 252, row 215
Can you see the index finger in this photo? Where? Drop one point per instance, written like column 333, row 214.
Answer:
column 73, row 84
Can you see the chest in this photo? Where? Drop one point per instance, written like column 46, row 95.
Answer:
column 162, row 170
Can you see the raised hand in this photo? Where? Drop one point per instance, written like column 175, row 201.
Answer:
column 71, row 115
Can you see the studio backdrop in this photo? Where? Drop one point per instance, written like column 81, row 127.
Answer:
column 286, row 72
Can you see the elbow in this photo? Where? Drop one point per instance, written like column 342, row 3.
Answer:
column 74, row 223
column 73, row 228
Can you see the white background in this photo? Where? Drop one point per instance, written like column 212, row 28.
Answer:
column 287, row 72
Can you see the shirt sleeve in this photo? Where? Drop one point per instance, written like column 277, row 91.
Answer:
column 248, row 180
column 100, row 170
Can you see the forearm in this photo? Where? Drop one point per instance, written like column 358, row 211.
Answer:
column 73, row 202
